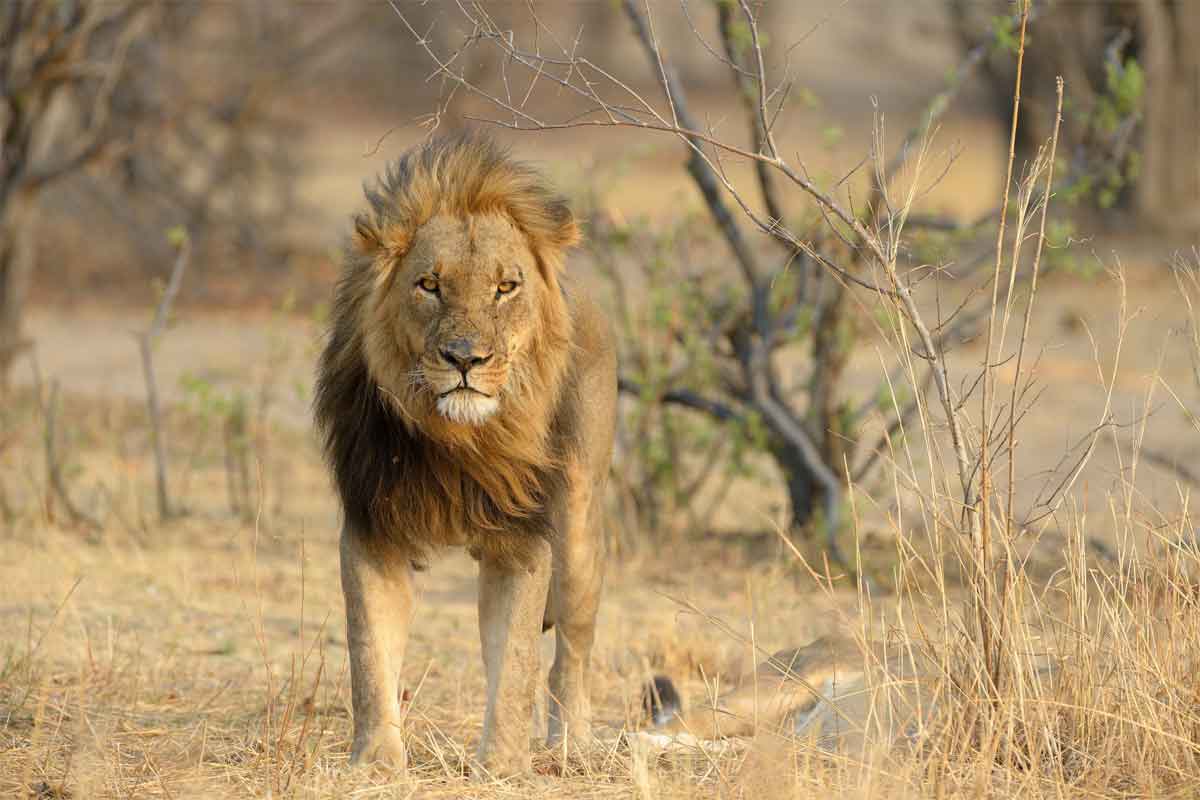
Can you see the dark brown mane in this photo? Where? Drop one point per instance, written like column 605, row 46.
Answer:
column 415, row 481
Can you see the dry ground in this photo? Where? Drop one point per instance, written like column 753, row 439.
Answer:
column 206, row 656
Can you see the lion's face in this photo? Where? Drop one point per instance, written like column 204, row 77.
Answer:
column 466, row 298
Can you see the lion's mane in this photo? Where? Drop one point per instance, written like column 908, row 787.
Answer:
column 408, row 476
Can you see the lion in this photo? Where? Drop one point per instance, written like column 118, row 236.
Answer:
column 844, row 692
column 466, row 396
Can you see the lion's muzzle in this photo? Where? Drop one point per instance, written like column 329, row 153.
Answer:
column 464, row 355
column 466, row 392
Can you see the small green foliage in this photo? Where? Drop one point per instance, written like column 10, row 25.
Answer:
column 1125, row 87
column 804, row 322
column 1133, row 165
column 886, row 316
column 225, row 648
column 1108, row 122
column 742, row 38
column 1005, row 36
column 808, row 98
column 1078, row 190
column 203, row 398
column 177, row 236
column 931, row 246
column 750, row 437
column 845, row 335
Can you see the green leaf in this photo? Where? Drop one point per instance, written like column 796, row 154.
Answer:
column 177, row 236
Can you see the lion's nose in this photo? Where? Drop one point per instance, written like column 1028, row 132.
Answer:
column 464, row 355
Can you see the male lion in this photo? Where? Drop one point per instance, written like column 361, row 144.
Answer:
column 467, row 397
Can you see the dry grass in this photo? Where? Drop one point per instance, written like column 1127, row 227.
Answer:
column 204, row 657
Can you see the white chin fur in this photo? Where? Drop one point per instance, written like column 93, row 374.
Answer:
column 467, row 408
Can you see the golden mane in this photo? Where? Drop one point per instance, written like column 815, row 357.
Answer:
column 462, row 177
column 404, row 474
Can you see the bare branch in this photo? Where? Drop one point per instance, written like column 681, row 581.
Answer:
column 726, row 59
column 698, row 166
column 786, row 425
column 1037, row 260
column 745, row 83
column 58, row 484
column 146, row 341
column 1184, row 473
column 756, row 48
column 684, row 398
column 95, row 137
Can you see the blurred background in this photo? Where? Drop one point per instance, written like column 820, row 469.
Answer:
column 243, row 133
column 248, row 130
column 176, row 183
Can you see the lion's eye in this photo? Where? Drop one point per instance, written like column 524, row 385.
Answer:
column 428, row 284
column 506, row 287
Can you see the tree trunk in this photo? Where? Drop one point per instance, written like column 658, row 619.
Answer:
column 1077, row 41
column 1168, row 191
column 16, row 266
column 830, row 353
column 804, row 493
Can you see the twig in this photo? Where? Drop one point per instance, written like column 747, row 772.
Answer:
column 745, row 82
column 698, row 166
column 756, row 48
column 54, row 476
column 146, row 341
column 1037, row 260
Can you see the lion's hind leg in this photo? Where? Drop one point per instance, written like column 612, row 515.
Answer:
column 572, row 606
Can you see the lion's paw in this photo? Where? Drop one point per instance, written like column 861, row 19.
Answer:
column 501, row 763
column 383, row 747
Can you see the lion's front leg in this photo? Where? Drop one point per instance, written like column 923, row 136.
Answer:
column 512, row 601
column 378, row 587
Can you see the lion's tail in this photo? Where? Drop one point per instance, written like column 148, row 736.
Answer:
column 664, row 709
column 660, row 701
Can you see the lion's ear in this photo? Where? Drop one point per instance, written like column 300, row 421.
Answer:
column 566, row 232
column 365, row 239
